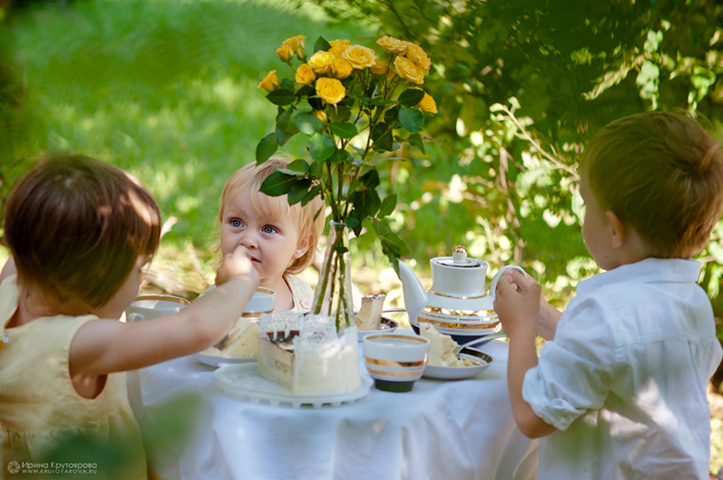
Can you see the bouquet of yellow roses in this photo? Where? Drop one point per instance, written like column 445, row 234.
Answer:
column 356, row 108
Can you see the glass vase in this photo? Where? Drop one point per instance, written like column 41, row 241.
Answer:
column 332, row 296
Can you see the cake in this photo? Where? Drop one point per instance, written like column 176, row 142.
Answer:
column 306, row 355
column 441, row 348
column 370, row 313
column 242, row 341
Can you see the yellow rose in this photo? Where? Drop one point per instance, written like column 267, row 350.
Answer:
column 408, row 70
column 285, row 53
column 338, row 47
column 393, row 45
column 321, row 115
column 341, row 68
column 321, row 62
column 330, row 90
column 419, row 57
column 270, row 82
column 378, row 68
column 305, row 74
column 428, row 104
column 297, row 45
column 360, row 57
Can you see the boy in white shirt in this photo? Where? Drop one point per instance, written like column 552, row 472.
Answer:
column 619, row 391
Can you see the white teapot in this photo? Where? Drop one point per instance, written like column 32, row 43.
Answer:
column 457, row 304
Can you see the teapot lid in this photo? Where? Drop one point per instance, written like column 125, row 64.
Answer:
column 459, row 259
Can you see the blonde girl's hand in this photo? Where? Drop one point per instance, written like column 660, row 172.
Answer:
column 517, row 302
column 236, row 264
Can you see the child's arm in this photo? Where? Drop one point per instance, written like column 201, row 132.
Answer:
column 105, row 346
column 517, row 302
column 547, row 319
column 8, row 269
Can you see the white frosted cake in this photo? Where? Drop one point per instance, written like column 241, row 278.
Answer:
column 370, row 313
column 305, row 354
column 441, row 348
column 242, row 341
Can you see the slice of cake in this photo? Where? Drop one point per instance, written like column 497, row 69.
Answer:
column 305, row 354
column 370, row 313
column 242, row 341
column 441, row 348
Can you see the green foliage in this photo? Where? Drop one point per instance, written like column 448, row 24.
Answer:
column 165, row 90
column 521, row 87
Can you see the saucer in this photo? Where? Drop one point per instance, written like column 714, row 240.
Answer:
column 482, row 362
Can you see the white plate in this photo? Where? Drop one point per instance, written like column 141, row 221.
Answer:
column 387, row 325
column 217, row 360
column 243, row 382
column 455, row 373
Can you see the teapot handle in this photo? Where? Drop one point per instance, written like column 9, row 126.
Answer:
column 496, row 278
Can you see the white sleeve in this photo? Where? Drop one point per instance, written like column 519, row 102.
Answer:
column 575, row 370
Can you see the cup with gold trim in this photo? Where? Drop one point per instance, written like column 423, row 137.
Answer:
column 395, row 361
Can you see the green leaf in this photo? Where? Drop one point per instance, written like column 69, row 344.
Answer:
column 341, row 156
column 392, row 246
column 312, row 193
column 391, row 116
column 321, row 146
column 266, row 147
column 343, row 130
column 281, row 97
column 321, row 44
column 382, row 137
column 316, row 169
column 297, row 192
column 279, row 183
column 411, row 97
column 388, row 205
column 339, row 114
column 366, row 202
column 411, row 119
column 282, row 136
column 370, row 179
column 308, row 123
column 415, row 140
column 298, row 167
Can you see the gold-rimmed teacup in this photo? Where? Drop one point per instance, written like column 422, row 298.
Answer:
column 395, row 361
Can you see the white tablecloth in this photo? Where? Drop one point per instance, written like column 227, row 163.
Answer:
column 461, row 429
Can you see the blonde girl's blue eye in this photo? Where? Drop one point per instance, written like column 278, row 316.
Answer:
column 236, row 222
column 269, row 229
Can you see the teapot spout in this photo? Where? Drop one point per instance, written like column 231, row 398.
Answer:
column 415, row 297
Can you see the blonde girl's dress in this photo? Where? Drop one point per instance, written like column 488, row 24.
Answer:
column 301, row 291
column 47, row 430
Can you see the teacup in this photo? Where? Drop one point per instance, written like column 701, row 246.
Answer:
column 263, row 301
column 395, row 361
column 147, row 307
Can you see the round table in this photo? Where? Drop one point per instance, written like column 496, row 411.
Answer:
column 442, row 429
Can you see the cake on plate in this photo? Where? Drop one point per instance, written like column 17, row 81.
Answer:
column 441, row 348
column 370, row 313
column 305, row 354
column 242, row 341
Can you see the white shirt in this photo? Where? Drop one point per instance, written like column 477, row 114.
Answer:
column 624, row 381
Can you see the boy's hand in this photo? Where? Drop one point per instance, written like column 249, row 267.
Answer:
column 517, row 302
column 236, row 264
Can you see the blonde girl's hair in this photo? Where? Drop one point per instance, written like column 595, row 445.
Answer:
column 310, row 218
column 76, row 226
column 662, row 174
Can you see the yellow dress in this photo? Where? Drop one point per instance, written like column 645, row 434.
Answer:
column 47, row 430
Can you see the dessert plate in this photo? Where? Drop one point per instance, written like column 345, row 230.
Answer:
column 387, row 325
column 481, row 359
column 216, row 360
column 243, row 382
